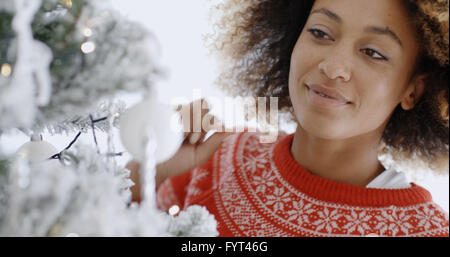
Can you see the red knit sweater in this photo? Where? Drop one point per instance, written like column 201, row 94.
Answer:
column 258, row 189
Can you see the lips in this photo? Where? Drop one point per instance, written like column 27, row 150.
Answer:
column 328, row 93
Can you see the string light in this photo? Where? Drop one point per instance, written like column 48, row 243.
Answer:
column 87, row 32
column 58, row 155
column 174, row 210
column 6, row 70
column 88, row 47
column 67, row 3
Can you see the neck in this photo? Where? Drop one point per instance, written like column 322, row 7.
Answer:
column 352, row 161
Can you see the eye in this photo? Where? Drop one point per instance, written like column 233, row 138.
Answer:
column 374, row 54
column 320, row 34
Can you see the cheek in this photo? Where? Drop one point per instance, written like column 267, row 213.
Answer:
column 303, row 58
column 303, row 61
column 377, row 100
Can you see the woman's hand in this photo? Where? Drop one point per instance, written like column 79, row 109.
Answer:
column 193, row 152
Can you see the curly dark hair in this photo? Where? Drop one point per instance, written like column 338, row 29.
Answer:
column 255, row 40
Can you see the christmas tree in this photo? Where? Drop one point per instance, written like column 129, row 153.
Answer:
column 62, row 64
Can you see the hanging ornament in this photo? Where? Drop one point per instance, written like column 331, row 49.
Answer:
column 36, row 150
column 151, row 115
column 34, row 153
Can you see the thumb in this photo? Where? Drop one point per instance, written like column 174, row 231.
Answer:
column 205, row 150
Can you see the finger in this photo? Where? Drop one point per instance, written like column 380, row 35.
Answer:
column 212, row 122
column 185, row 113
column 185, row 136
column 210, row 125
column 200, row 109
column 197, row 137
column 205, row 106
column 194, row 137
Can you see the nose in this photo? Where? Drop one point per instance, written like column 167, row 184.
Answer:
column 336, row 67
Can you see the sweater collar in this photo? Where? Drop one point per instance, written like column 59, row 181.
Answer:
column 337, row 192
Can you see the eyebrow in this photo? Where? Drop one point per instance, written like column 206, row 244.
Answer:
column 371, row 29
column 328, row 13
column 384, row 31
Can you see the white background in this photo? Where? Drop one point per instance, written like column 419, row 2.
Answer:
column 179, row 26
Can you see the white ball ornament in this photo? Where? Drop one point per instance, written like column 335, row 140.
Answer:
column 151, row 117
column 36, row 153
column 36, row 150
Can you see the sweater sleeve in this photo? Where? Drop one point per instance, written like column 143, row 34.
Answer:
column 185, row 188
column 173, row 191
column 188, row 188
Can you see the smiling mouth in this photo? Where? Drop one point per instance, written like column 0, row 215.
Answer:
column 324, row 95
column 322, row 99
column 327, row 96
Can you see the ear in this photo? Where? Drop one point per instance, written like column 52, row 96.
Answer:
column 414, row 91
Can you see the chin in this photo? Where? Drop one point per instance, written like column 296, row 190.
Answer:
column 321, row 127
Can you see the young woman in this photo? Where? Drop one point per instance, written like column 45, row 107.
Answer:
column 356, row 75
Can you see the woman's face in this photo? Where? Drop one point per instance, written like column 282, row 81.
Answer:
column 351, row 66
